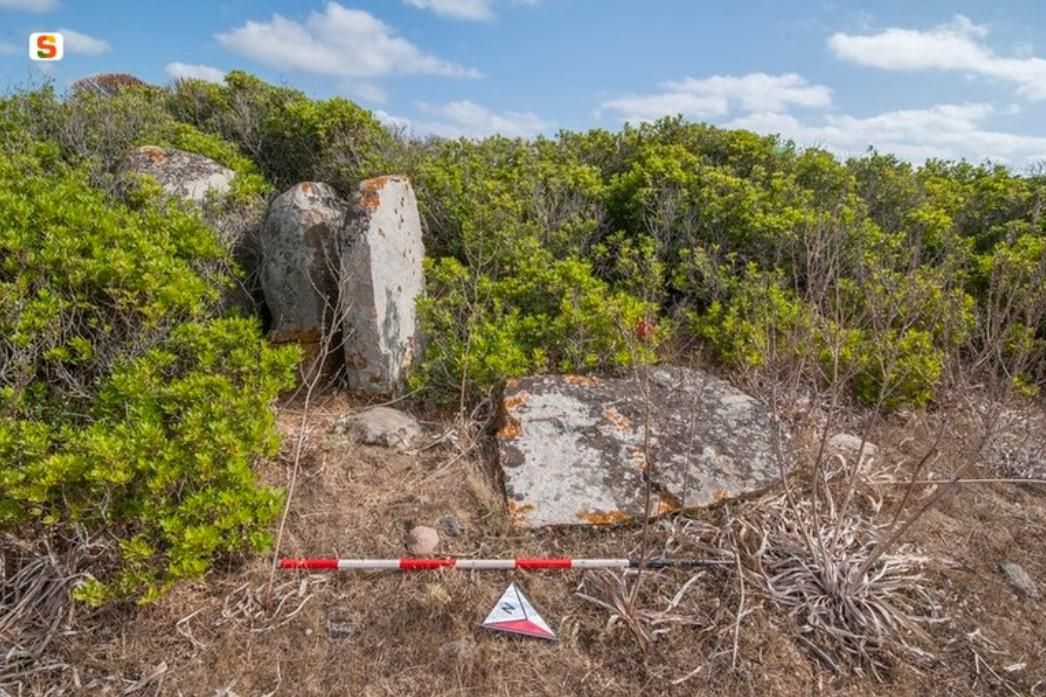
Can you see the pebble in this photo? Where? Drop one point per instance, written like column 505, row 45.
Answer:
column 1017, row 577
column 421, row 540
column 449, row 525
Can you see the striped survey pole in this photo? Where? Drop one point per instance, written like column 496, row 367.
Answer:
column 523, row 563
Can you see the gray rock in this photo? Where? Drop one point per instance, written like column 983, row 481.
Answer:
column 299, row 264
column 183, row 174
column 1021, row 581
column 381, row 279
column 421, row 541
column 849, row 443
column 571, row 448
column 449, row 525
column 380, row 426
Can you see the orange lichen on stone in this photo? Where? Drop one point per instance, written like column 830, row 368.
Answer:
column 306, row 187
column 511, row 383
column 617, row 418
column 370, row 192
column 295, row 336
column 518, row 512
column 667, row 503
column 720, row 495
column 584, row 380
column 153, row 153
column 608, row 518
column 515, row 400
column 510, row 429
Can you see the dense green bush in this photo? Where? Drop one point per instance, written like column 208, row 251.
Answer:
column 125, row 411
column 540, row 315
column 291, row 138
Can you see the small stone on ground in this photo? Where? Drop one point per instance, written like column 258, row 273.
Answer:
column 383, row 426
column 421, row 541
column 1021, row 581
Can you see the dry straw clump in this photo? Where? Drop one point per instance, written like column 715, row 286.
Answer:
column 855, row 615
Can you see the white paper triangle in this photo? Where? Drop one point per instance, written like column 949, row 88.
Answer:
column 514, row 614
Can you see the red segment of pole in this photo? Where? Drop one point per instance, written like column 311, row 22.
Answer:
column 532, row 563
column 312, row 564
column 424, row 564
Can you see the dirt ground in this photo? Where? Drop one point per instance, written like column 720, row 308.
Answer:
column 420, row 634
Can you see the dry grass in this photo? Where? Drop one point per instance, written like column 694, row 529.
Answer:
column 713, row 632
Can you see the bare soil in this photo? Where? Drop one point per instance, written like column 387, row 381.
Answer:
column 420, row 634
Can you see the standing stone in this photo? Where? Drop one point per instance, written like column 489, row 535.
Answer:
column 299, row 264
column 381, row 279
column 572, row 448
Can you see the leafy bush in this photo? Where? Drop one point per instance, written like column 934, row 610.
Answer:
column 543, row 315
column 125, row 411
column 291, row 138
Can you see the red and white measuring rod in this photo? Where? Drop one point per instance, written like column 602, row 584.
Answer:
column 430, row 564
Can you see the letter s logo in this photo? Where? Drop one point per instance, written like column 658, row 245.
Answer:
column 46, row 46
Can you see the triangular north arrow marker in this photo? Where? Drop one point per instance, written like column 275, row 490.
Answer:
column 514, row 614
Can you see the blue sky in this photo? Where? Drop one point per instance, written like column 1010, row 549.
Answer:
column 920, row 79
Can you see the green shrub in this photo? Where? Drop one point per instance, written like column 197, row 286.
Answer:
column 545, row 315
column 290, row 137
column 125, row 412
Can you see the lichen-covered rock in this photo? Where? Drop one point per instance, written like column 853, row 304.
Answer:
column 184, row 174
column 572, row 448
column 382, row 426
column 299, row 244
column 381, row 279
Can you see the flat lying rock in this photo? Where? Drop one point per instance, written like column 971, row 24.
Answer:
column 571, row 448
column 381, row 279
column 383, row 426
column 851, row 444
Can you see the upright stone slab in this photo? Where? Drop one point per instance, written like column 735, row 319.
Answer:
column 300, row 263
column 572, row 448
column 381, row 279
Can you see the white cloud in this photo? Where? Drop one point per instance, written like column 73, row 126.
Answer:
column 193, row 71
column 392, row 121
column 949, row 131
column 718, row 95
column 952, row 46
column 29, row 5
column 75, row 42
column 458, row 9
column 466, row 118
column 476, row 10
column 338, row 41
column 367, row 91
